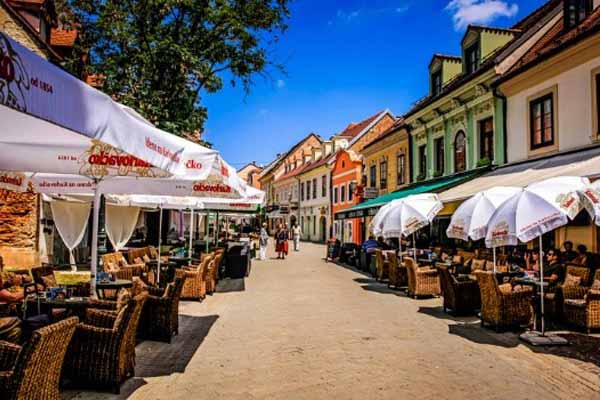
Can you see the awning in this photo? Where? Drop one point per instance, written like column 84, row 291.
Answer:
column 370, row 207
column 579, row 163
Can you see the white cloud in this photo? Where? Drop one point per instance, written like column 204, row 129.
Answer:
column 280, row 83
column 349, row 16
column 465, row 12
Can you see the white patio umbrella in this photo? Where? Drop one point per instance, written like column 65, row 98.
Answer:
column 591, row 200
column 533, row 211
column 471, row 218
column 376, row 223
column 406, row 216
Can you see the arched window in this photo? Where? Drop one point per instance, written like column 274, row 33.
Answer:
column 460, row 152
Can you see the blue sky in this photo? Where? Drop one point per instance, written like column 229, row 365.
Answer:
column 344, row 60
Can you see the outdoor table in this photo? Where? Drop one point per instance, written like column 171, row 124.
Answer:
column 180, row 261
column 74, row 305
column 116, row 285
column 535, row 298
column 167, row 271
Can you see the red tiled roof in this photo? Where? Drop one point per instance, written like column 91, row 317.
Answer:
column 28, row 1
column 293, row 172
column 557, row 38
column 354, row 129
column 322, row 161
column 63, row 37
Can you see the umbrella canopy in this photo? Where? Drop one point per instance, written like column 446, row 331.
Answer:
column 591, row 200
column 535, row 210
column 376, row 223
column 408, row 215
column 471, row 219
column 53, row 122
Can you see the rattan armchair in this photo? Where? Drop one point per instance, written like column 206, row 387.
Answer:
column 102, row 352
column 462, row 297
column 502, row 310
column 381, row 265
column 398, row 275
column 160, row 315
column 212, row 276
column 194, row 286
column 122, row 269
column 32, row 372
column 421, row 281
column 581, row 305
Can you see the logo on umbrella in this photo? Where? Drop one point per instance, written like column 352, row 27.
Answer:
column 14, row 81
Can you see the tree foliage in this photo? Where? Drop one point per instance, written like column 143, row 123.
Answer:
column 159, row 56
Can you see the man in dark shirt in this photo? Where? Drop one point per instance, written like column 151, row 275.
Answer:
column 569, row 254
column 381, row 244
column 553, row 268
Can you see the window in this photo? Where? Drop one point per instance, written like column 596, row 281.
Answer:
column 541, row 121
column 373, row 176
column 314, row 224
column 460, row 153
column 351, row 186
column 308, row 190
column 598, row 104
column 314, row 188
column 302, row 191
column 486, row 139
column 302, row 223
column 576, row 11
column 436, row 82
column 400, row 168
column 439, row 156
column 383, row 174
column 324, row 186
column 335, row 195
column 342, row 193
column 423, row 161
column 472, row 58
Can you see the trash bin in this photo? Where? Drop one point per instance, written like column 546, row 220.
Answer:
column 238, row 262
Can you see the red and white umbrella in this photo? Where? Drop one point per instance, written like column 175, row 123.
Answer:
column 539, row 208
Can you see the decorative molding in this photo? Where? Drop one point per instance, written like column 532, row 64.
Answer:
column 456, row 102
column 481, row 89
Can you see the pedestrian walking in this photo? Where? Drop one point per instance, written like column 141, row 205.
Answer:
column 287, row 235
column 296, row 235
column 263, row 242
column 281, row 238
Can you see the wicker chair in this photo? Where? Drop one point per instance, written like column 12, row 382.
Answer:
column 213, row 271
column 102, row 352
column 160, row 315
column 32, row 372
column 398, row 275
column 581, row 305
column 499, row 309
column 462, row 297
column 382, row 265
column 554, row 298
column 421, row 281
column 194, row 287
column 124, row 270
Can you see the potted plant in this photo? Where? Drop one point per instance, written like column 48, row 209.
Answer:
column 484, row 162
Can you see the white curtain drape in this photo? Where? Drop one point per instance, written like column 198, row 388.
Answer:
column 71, row 219
column 120, row 224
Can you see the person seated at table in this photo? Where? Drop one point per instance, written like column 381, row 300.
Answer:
column 568, row 255
column 582, row 255
column 553, row 268
column 370, row 245
column 516, row 258
column 532, row 261
column 381, row 244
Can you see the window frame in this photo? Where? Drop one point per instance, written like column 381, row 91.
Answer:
column 464, row 151
column 342, row 194
column 596, row 84
column 541, row 101
column 440, row 158
column 373, row 176
column 581, row 8
column 473, row 49
column 301, row 191
column 484, row 136
column 335, row 195
column 314, row 185
column 324, row 186
column 307, row 190
column 436, row 82
column 383, row 172
column 401, row 168
column 350, row 192
column 422, row 152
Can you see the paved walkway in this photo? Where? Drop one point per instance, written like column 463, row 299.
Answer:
column 304, row 329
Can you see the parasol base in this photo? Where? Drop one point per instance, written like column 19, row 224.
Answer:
column 535, row 338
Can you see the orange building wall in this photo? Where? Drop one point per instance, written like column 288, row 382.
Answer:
column 345, row 171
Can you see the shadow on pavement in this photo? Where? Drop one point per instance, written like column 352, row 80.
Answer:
column 475, row 333
column 438, row 312
column 581, row 347
column 231, row 285
column 161, row 359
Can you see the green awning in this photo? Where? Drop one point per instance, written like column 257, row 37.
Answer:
column 370, row 207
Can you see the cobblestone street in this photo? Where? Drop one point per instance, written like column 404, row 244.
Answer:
column 305, row 329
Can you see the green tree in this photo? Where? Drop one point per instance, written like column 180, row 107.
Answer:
column 159, row 56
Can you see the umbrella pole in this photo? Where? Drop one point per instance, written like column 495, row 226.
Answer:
column 542, row 285
column 95, row 223
column 494, row 251
column 400, row 248
column 207, row 228
column 160, row 215
column 191, row 233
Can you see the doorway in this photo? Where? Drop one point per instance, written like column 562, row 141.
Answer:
column 323, row 223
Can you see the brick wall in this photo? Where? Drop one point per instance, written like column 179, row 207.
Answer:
column 381, row 126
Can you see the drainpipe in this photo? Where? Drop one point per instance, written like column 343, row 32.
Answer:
column 410, row 154
column 504, row 100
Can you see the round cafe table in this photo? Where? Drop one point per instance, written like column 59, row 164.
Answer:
column 116, row 285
